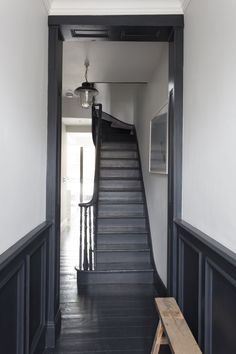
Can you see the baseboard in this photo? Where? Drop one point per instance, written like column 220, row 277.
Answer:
column 53, row 330
column 38, row 344
column 159, row 285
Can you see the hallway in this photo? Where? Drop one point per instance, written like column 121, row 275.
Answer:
column 102, row 318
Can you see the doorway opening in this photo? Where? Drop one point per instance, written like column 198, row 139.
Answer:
column 121, row 29
column 77, row 181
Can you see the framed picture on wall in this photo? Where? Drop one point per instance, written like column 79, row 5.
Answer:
column 158, row 148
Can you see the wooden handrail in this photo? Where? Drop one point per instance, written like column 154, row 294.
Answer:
column 97, row 123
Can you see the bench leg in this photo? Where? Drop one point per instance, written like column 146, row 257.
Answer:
column 158, row 339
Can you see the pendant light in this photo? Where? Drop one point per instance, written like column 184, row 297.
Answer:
column 87, row 91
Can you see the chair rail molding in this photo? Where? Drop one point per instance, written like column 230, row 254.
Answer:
column 206, row 278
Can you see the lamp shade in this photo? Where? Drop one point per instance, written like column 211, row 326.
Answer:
column 86, row 94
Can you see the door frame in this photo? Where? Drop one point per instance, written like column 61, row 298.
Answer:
column 176, row 23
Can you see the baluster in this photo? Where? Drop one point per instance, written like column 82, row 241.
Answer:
column 80, row 238
column 94, row 234
column 86, row 238
column 90, row 242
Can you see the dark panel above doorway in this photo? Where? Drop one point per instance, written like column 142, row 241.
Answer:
column 115, row 33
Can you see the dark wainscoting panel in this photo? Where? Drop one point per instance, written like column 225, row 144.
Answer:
column 207, row 289
column 23, row 283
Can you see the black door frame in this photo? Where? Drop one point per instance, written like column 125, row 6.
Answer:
column 176, row 23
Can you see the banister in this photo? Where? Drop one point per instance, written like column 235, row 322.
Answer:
column 88, row 210
column 97, row 127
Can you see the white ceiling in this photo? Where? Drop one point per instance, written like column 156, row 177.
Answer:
column 112, row 7
column 109, row 62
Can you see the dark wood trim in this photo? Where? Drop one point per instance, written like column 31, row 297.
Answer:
column 175, row 152
column 118, row 20
column 23, row 282
column 211, row 294
column 208, row 242
column 175, row 25
column 53, row 178
column 14, row 251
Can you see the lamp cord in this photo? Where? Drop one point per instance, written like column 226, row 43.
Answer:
column 86, row 63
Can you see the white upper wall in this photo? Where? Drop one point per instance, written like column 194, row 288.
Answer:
column 209, row 155
column 150, row 101
column 109, row 62
column 121, row 7
column 23, row 112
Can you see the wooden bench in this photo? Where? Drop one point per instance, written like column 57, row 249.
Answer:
column 173, row 330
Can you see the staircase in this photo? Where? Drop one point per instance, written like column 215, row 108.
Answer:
column 121, row 247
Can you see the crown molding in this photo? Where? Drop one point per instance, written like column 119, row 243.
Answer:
column 128, row 7
column 144, row 11
column 47, row 4
column 185, row 4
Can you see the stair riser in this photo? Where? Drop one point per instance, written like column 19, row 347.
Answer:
column 119, row 138
column 119, row 256
column 121, row 196
column 104, row 224
column 124, row 185
column 104, row 239
column 119, row 163
column 122, row 246
column 121, row 210
column 132, row 154
column 119, row 173
column 119, row 146
column 121, row 229
column 89, row 278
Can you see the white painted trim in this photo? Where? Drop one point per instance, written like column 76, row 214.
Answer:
column 98, row 11
column 112, row 7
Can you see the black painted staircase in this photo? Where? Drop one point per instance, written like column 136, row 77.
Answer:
column 122, row 250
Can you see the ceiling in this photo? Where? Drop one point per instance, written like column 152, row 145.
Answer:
column 121, row 62
column 111, row 7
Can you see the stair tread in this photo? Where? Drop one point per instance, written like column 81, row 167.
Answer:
column 120, row 158
column 124, row 250
column 120, row 178
column 121, row 247
column 122, row 232
column 121, row 216
column 120, row 149
column 122, row 189
column 121, row 229
column 119, row 168
column 125, row 266
column 109, row 201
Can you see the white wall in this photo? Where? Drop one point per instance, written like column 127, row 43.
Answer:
column 72, row 109
column 209, row 156
column 117, row 99
column 64, row 195
column 123, row 102
column 23, row 98
column 151, row 100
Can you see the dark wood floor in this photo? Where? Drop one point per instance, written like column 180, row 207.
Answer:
column 103, row 319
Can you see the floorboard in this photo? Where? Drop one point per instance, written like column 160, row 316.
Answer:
column 103, row 319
